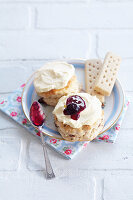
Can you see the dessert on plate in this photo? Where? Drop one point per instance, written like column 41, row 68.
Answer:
column 79, row 117
column 54, row 80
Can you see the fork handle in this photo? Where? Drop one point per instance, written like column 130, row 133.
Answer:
column 49, row 171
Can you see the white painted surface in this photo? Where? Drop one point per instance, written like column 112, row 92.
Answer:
column 43, row 45
column 32, row 32
column 8, row 19
column 111, row 185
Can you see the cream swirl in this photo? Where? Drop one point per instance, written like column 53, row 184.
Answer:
column 88, row 116
column 53, row 75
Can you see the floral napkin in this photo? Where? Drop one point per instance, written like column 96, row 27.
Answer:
column 11, row 106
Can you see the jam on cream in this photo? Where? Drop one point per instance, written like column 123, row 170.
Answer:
column 53, row 75
column 88, row 116
column 74, row 105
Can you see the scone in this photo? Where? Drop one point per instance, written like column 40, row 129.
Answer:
column 54, row 80
column 79, row 117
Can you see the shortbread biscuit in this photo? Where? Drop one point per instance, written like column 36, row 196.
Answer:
column 51, row 97
column 92, row 69
column 107, row 76
column 85, row 133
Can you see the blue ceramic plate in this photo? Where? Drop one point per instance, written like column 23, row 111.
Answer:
column 113, row 107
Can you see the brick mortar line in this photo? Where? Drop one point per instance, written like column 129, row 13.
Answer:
column 25, row 60
column 2, row 129
column 69, row 169
column 22, row 163
column 85, row 29
column 112, row 1
column 69, row 2
column 44, row 2
column 40, row 30
column 102, row 184
column 90, row 170
column 47, row 59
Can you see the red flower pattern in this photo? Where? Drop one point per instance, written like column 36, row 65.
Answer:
column 54, row 141
column 105, row 137
column 117, row 127
column 13, row 114
column 85, row 144
column 18, row 99
column 128, row 103
column 23, row 85
column 68, row 151
column 24, row 121
column 2, row 102
column 38, row 133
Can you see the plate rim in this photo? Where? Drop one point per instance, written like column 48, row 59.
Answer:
column 73, row 61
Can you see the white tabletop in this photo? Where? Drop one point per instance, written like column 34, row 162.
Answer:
column 31, row 33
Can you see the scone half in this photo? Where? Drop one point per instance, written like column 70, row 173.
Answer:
column 52, row 97
column 54, row 80
column 85, row 133
column 80, row 126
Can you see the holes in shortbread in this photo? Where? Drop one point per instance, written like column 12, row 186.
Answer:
column 113, row 74
column 97, row 62
column 90, row 87
column 104, row 76
column 89, row 75
column 94, row 77
column 106, row 80
column 106, row 71
column 111, row 79
column 90, row 81
column 111, row 70
column 98, row 68
column 110, row 56
column 89, row 69
column 109, row 84
column 101, row 82
column 93, row 66
column 97, row 74
column 115, row 69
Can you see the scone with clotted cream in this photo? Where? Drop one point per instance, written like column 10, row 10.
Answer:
column 54, row 80
column 79, row 117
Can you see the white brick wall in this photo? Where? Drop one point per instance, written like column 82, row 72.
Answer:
column 11, row 72
column 31, row 33
column 25, row 186
column 44, row 45
column 84, row 16
column 120, row 42
column 14, row 17
column 111, row 185
column 9, row 152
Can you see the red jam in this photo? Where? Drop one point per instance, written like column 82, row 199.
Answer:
column 74, row 105
column 36, row 114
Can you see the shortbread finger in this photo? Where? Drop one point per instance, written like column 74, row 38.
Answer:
column 107, row 77
column 92, row 69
